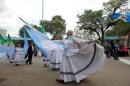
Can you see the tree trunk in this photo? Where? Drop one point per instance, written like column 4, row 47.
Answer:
column 102, row 40
column 99, row 37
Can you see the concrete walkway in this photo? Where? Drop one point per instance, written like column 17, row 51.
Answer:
column 114, row 73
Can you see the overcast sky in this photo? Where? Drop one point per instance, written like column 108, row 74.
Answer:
column 30, row 10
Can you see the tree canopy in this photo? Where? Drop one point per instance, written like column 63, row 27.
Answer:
column 99, row 21
column 120, row 29
column 21, row 34
column 113, row 5
column 56, row 25
column 93, row 21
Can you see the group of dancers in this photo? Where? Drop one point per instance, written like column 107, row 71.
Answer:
column 76, row 59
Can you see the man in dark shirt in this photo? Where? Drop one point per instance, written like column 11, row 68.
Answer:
column 30, row 53
column 114, row 50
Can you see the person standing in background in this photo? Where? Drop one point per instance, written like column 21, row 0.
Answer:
column 114, row 50
column 56, row 37
column 69, row 34
column 128, row 43
column 107, row 49
column 19, row 55
column 30, row 53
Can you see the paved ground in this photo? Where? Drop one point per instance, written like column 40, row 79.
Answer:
column 114, row 73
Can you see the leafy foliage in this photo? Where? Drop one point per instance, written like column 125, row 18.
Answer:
column 21, row 34
column 94, row 21
column 100, row 21
column 55, row 26
column 113, row 5
column 120, row 29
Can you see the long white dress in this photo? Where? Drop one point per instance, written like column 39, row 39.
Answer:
column 79, row 63
column 54, row 53
column 19, row 56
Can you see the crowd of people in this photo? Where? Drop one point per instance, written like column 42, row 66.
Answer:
column 74, row 50
column 118, row 50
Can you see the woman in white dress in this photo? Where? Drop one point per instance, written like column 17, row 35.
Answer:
column 19, row 55
column 82, row 58
column 57, row 53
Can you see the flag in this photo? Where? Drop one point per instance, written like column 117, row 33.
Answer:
column 125, row 17
column 2, row 41
column 128, row 17
column 42, row 29
column 115, row 15
column 9, row 41
column 23, row 21
column 10, row 49
column 2, row 48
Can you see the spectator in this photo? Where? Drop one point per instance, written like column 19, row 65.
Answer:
column 30, row 53
column 113, row 50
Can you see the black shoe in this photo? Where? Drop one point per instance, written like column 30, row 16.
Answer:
column 60, row 81
column 16, row 64
column 11, row 61
column 30, row 63
column 26, row 62
column 116, row 59
column 55, row 69
column 45, row 65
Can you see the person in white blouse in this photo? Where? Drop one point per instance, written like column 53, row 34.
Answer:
column 19, row 55
column 81, row 58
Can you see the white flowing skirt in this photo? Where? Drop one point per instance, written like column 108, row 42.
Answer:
column 19, row 56
column 82, row 63
column 56, row 58
column 48, row 56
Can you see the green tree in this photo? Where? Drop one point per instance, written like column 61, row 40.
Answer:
column 94, row 21
column 120, row 29
column 24, row 26
column 100, row 21
column 112, row 6
column 55, row 26
column 47, row 25
column 21, row 31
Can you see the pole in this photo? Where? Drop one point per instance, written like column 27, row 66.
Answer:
column 42, row 9
column 23, row 21
column 42, row 16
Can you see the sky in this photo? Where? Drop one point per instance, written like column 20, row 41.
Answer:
column 31, row 11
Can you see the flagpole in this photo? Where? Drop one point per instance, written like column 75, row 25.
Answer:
column 42, row 8
column 42, row 13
